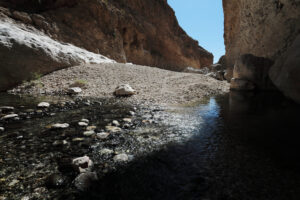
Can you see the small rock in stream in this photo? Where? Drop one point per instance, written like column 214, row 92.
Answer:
column 128, row 120
column 84, row 181
column 115, row 123
column 121, row 157
column 91, row 128
column 78, row 139
column 88, row 133
column 2, row 129
column 83, row 164
column 10, row 116
column 13, row 183
column 131, row 113
column 82, row 124
column 106, row 151
column 60, row 126
column 85, row 120
column 102, row 135
column 43, row 105
column 113, row 129
column 6, row 108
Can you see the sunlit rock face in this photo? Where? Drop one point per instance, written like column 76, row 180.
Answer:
column 26, row 52
column 136, row 31
column 261, row 28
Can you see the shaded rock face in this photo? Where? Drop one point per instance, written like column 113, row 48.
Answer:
column 285, row 73
column 254, row 69
column 261, row 28
column 137, row 31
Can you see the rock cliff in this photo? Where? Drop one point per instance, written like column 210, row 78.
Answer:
column 26, row 52
column 137, row 31
column 265, row 29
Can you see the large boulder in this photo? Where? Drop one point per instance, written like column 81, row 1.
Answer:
column 254, row 69
column 26, row 53
column 285, row 73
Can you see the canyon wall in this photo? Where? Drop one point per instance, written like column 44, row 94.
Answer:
column 266, row 29
column 137, row 31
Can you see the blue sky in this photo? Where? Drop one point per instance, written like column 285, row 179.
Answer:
column 203, row 21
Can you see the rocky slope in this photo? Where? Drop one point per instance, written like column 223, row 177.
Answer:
column 265, row 29
column 137, row 31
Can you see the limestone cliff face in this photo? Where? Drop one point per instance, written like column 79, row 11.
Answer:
column 137, row 31
column 264, row 29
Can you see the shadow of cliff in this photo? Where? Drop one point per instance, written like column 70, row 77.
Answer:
column 248, row 151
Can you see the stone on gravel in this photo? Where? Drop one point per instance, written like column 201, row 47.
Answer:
column 85, row 180
column 83, row 164
column 113, row 129
column 10, row 116
column 128, row 120
column 2, row 129
column 91, row 128
column 74, row 90
column 102, row 135
column 7, row 108
column 131, row 113
column 121, row 157
column 82, row 124
column 13, row 183
column 43, row 105
column 89, row 133
column 124, row 90
column 77, row 139
column 60, row 126
column 85, row 120
column 106, row 151
column 115, row 123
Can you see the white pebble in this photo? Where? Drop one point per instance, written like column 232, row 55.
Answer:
column 121, row 157
column 82, row 124
column 102, row 135
column 43, row 105
column 60, row 126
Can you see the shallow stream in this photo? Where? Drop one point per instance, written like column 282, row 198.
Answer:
column 234, row 146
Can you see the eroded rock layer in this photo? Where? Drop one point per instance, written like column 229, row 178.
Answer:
column 264, row 29
column 137, row 31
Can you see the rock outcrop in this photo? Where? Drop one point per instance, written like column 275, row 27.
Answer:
column 255, row 70
column 285, row 73
column 264, row 29
column 136, row 31
column 26, row 53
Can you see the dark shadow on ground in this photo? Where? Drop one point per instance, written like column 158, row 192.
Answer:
column 248, row 150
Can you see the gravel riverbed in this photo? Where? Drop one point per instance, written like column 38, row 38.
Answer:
column 152, row 84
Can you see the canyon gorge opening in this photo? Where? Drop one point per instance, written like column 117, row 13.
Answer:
column 114, row 100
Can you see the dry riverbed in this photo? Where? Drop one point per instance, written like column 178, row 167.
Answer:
column 152, row 84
